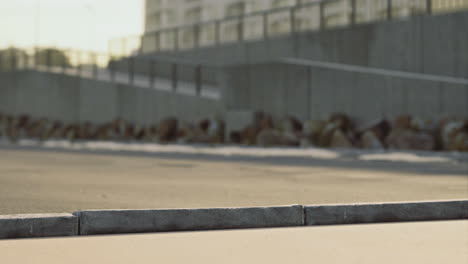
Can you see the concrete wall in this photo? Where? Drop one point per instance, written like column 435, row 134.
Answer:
column 73, row 99
column 425, row 44
column 313, row 93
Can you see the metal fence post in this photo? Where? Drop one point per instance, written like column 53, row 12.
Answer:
column 198, row 80
column 292, row 17
column 141, row 48
column 95, row 67
column 2, row 66
column 174, row 77
column 196, row 36
column 389, row 10
column 78, row 66
column 49, row 59
column 111, row 67
column 353, row 12
column 36, row 60
column 265, row 25
column 158, row 41
column 176, row 39
column 322, row 14
column 64, row 62
column 429, row 7
column 240, row 29
column 131, row 70
column 14, row 60
column 151, row 73
column 217, row 32
column 25, row 60
column 309, row 92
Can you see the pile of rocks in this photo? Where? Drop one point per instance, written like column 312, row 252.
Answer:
column 168, row 130
column 338, row 131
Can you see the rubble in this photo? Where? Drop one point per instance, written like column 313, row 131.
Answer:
column 404, row 132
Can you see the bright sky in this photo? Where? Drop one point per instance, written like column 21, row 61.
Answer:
column 81, row 24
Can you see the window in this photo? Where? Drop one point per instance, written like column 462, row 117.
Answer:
column 193, row 15
column 280, row 3
column 235, row 9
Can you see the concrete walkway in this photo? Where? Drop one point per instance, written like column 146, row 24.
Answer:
column 416, row 243
column 53, row 182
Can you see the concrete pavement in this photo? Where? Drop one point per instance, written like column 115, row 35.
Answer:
column 420, row 242
column 55, row 182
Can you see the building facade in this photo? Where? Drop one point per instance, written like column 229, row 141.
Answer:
column 168, row 14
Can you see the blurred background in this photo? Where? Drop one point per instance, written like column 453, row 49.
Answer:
column 319, row 101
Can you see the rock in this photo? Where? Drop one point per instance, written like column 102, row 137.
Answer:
column 449, row 131
column 37, row 129
column 342, row 121
column 339, row 140
column 204, row 125
column 185, row 132
column 86, row 131
column 370, row 141
column 313, row 129
column 11, row 130
column 70, row 132
column 117, row 129
column 153, row 133
column 422, row 141
column 235, row 137
column 292, row 125
column 305, row 142
column 54, row 131
column 168, row 130
column 379, row 127
column 129, row 132
column 291, row 139
column 410, row 140
column 249, row 135
column 460, row 142
column 325, row 137
column 103, row 132
column 402, row 122
column 212, row 131
column 140, row 133
column 271, row 137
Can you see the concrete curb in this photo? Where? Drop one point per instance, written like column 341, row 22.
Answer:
column 101, row 222
column 385, row 212
column 142, row 221
column 38, row 225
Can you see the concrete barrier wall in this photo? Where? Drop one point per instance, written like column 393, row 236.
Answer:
column 426, row 44
column 314, row 93
column 73, row 99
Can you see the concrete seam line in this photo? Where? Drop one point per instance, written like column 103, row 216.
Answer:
column 167, row 220
column 38, row 225
column 386, row 212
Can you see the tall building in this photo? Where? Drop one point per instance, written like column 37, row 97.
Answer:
column 166, row 14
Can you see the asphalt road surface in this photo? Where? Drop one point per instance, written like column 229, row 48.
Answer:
column 415, row 243
column 33, row 181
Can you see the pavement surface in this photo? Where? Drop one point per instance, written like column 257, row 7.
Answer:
column 423, row 242
column 51, row 181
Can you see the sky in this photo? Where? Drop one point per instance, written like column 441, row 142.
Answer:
column 79, row 24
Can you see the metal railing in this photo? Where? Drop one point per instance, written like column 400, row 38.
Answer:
column 310, row 16
column 155, row 72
